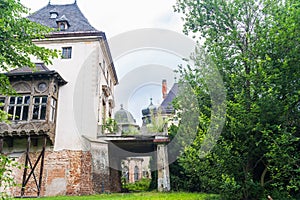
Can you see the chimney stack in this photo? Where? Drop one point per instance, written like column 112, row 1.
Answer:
column 164, row 88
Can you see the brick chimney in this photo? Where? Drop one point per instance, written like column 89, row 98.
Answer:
column 164, row 88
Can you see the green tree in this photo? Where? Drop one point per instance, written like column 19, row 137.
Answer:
column 255, row 44
column 17, row 36
column 17, row 47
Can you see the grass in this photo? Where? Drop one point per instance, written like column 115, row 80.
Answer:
column 138, row 196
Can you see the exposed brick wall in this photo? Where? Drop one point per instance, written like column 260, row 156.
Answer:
column 87, row 186
column 31, row 189
column 65, row 173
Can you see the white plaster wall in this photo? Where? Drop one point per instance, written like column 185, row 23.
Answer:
column 79, row 99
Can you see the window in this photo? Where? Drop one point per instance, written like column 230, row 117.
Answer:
column 39, row 107
column 42, row 86
column 52, row 109
column 103, row 112
column 2, row 102
column 62, row 26
column 53, row 15
column 19, row 107
column 104, row 65
column 66, row 52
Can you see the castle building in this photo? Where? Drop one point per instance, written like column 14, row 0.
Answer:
column 60, row 109
column 165, row 109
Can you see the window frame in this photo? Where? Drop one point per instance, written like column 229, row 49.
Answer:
column 66, row 53
column 42, row 105
column 15, row 105
column 53, row 107
column 53, row 15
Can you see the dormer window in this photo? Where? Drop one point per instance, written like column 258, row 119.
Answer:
column 53, row 15
column 62, row 26
column 62, row 23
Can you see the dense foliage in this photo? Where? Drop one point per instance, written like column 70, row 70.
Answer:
column 17, row 47
column 255, row 45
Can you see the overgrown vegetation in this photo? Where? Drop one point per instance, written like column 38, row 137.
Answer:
column 131, row 130
column 16, row 48
column 255, row 44
column 110, row 126
column 138, row 186
column 158, row 122
column 6, row 176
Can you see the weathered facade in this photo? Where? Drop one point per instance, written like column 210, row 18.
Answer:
column 135, row 168
column 59, row 110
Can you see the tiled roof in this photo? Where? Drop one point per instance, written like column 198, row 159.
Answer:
column 62, row 18
column 71, row 12
column 166, row 105
column 40, row 67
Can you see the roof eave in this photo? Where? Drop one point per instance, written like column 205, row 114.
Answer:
column 60, row 34
column 61, row 81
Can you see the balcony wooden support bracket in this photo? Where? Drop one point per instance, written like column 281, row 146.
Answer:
column 30, row 167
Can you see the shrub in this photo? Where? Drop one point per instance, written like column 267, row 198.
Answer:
column 139, row 186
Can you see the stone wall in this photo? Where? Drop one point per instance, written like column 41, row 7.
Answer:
column 65, row 173
column 100, row 168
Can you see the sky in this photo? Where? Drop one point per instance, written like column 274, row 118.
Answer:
column 140, row 72
column 117, row 16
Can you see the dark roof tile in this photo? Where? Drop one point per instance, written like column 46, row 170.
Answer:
column 166, row 105
column 76, row 20
column 40, row 67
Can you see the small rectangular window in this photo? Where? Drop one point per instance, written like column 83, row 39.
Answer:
column 66, row 52
column 39, row 107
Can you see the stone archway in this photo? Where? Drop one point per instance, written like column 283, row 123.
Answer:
column 108, row 151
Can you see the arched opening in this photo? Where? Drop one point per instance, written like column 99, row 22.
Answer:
column 136, row 173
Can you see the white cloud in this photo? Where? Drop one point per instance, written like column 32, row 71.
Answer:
column 118, row 16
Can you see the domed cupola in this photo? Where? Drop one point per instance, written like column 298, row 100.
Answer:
column 123, row 116
column 125, row 120
column 147, row 112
